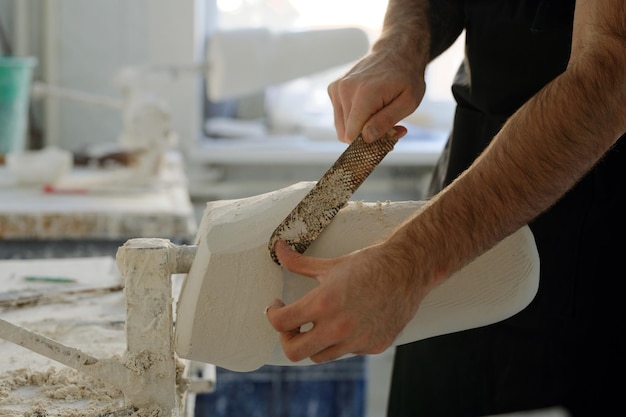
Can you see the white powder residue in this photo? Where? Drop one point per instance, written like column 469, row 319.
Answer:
column 296, row 229
column 32, row 385
column 56, row 392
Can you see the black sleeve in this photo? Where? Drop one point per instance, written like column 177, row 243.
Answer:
column 447, row 21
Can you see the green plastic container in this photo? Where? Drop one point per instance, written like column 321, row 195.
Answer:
column 16, row 75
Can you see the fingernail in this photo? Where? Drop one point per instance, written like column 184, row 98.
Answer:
column 371, row 134
column 275, row 303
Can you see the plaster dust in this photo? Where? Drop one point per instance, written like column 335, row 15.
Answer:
column 34, row 385
column 55, row 391
column 315, row 211
column 233, row 278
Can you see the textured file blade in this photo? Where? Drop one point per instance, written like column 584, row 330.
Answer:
column 316, row 210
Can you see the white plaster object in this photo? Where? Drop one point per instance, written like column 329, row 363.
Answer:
column 220, row 314
column 38, row 167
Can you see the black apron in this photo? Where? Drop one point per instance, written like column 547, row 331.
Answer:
column 568, row 347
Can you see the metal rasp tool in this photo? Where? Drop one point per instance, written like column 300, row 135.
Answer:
column 318, row 207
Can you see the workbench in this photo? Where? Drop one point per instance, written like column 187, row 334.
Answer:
column 38, row 222
column 78, row 302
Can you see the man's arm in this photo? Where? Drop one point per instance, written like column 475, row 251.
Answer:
column 424, row 27
column 388, row 84
column 540, row 153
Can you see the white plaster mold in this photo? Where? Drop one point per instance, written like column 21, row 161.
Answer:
column 220, row 314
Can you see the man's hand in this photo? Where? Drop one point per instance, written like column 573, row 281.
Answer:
column 382, row 89
column 363, row 301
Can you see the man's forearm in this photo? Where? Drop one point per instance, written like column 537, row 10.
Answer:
column 539, row 154
column 422, row 29
column 407, row 31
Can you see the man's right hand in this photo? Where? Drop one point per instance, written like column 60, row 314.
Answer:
column 378, row 92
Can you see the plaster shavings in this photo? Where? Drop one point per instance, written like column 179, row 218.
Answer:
column 32, row 385
column 316, row 210
column 55, row 392
column 139, row 362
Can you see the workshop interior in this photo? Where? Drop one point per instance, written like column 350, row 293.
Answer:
column 132, row 135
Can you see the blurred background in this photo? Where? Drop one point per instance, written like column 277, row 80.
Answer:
column 84, row 46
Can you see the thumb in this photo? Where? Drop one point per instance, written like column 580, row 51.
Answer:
column 298, row 263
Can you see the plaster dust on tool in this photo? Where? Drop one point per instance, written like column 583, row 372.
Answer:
column 316, row 210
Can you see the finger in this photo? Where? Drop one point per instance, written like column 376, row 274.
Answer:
column 340, row 125
column 331, row 353
column 300, row 346
column 308, row 344
column 287, row 318
column 383, row 120
column 297, row 343
column 355, row 119
column 357, row 344
column 322, row 343
column 354, row 109
column 338, row 111
column 299, row 264
column 401, row 131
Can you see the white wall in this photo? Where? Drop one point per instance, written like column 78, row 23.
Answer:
column 6, row 17
column 95, row 38
column 83, row 45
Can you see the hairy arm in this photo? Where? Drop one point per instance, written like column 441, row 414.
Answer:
column 421, row 29
column 539, row 154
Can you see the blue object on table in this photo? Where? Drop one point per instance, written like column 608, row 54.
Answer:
column 15, row 80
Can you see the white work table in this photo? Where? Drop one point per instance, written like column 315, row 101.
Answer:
column 78, row 302
column 419, row 147
column 85, row 312
column 162, row 209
